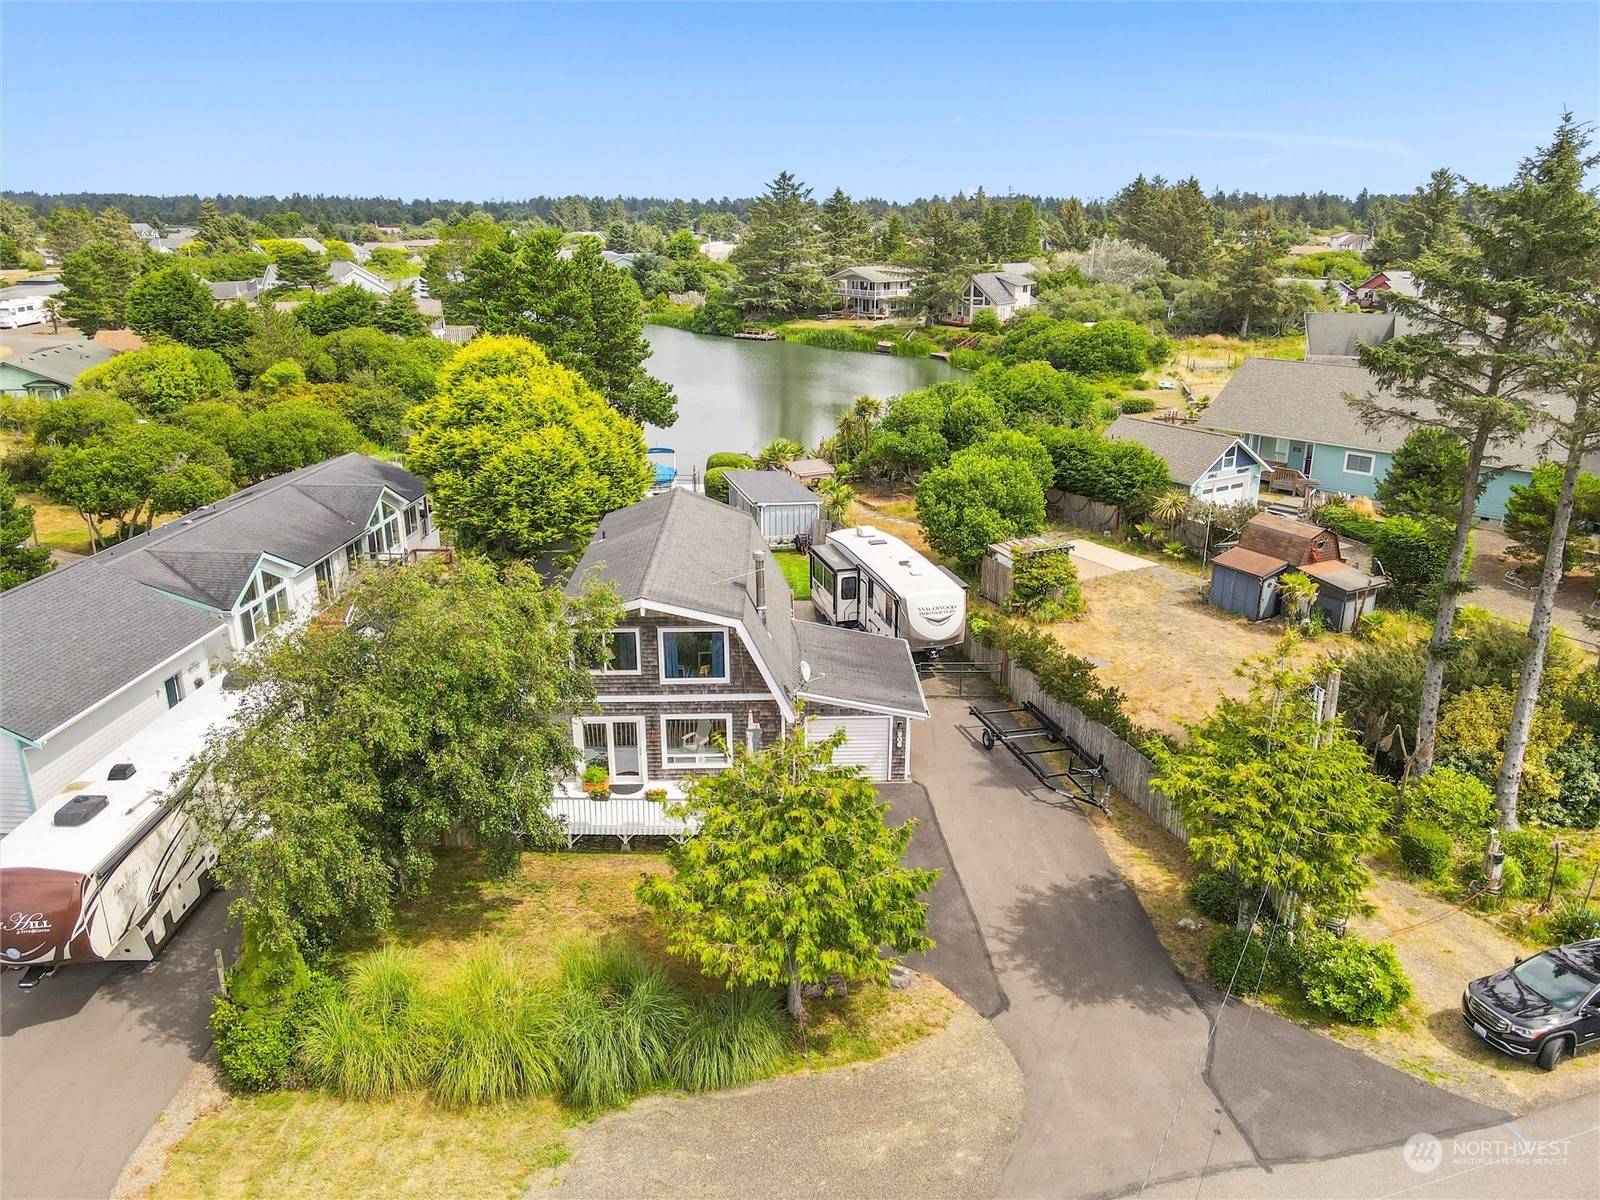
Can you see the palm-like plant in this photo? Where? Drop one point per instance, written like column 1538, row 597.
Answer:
column 1170, row 506
column 778, row 454
column 1297, row 591
column 837, row 496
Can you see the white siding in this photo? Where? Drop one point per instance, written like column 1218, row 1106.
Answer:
column 866, row 744
column 14, row 806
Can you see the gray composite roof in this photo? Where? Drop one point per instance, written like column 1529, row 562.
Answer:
column 1306, row 401
column 770, row 487
column 1001, row 287
column 863, row 668
column 683, row 551
column 1188, row 452
column 1341, row 334
column 874, row 273
column 64, row 363
column 73, row 636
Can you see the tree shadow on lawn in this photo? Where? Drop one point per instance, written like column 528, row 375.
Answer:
column 1088, row 942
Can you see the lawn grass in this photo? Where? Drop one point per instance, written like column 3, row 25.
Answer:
column 58, row 525
column 796, row 568
column 305, row 1143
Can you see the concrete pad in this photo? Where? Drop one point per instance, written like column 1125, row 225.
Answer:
column 934, row 1121
column 1094, row 560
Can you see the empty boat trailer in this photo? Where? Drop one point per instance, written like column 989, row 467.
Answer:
column 1034, row 744
column 108, row 869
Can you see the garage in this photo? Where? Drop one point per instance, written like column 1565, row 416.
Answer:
column 867, row 741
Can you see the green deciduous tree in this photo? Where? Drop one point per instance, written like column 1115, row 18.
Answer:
column 162, row 379
column 171, row 303
column 1275, row 797
column 288, row 435
column 19, row 562
column 523, row 456
column 777, row 257
column 978, row 499
column 444, row 700
column 135, row 474
column 793, row 874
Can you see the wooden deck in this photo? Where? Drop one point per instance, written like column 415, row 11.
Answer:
column 624, row 818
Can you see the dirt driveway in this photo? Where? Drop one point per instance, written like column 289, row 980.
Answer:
column 1165, row 648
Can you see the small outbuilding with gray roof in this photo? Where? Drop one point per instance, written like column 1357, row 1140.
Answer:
column 779, row 503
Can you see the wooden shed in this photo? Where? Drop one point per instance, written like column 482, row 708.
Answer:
column 1246, row 582
column 997, row 570
column 1295, row 542
column 809, row 471
column 781, row 505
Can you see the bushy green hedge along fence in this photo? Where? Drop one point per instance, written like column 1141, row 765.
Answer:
column 1344, row 978
column 606, row 1027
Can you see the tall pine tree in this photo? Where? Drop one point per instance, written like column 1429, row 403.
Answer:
column 777, row 258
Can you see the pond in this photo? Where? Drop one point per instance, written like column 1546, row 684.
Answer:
column 739, row 395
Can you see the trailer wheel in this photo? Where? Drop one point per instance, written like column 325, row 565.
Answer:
column 988, row 740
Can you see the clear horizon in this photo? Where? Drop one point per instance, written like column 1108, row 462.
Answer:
column 506, row 102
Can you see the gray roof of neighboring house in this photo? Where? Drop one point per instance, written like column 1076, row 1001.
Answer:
column 174, row 240
column 1001, row 287
column 770, row 487
column 1306, row 401
column 141, row 229
column 1340, row 334
column 343, row 272
column 244, row 289
column 1403, row 282
column 75, row 635
column 32, row 287
column 850, row 666
column 64, row 363
column 1188, row 452
column 875, row 274
column 310, row 243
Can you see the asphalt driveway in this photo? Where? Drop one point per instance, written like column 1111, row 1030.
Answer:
column 90, row 1057
column 1124, row 1082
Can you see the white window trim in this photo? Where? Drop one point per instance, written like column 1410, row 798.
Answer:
column 727, row 757
column 641, row 722
column 1372, row 462
column 638, row 653
column 661, row 655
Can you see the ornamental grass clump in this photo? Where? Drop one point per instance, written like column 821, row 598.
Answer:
column 618, row 1019
column 731, row 1041
column 373, row 1039
column 495, row 1033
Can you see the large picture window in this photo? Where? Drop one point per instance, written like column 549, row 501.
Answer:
column 263, row 603
column 619, row 654
column 697, row 741
column 700, row 654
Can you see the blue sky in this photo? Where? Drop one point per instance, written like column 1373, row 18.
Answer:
column 504, row 101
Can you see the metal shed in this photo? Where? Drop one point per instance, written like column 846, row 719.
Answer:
column 1344, row 594
column 782, row 506
column 1246, row 583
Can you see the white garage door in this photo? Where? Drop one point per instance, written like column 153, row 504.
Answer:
column 867, row 742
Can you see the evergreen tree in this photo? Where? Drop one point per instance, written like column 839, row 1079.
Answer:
column 19, row 562
column 1024, row 231
column 98, row 279
column 400, row 315
column 942, row 259
column 1176, row 221
column 1481, row 342
column 69, row 230
column 220, row 234
column 171, row 303
column 1430, row 221
column 844, row 232
column 1075, row 233
column 994, row 235
column 112, row 226
column 1426, row 477
column 777, row 259
column 1249, row 289
column 890, row 242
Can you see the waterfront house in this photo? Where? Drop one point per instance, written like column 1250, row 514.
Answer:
column 97, row 649
column 1217, row 468
column 1006, row 292
column 1297, row 414
column 780, row 504
column 871, row 291
column 49, row 374
column 708, row 655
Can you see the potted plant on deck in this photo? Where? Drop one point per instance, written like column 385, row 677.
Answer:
column 597, row 781
column 658, row 794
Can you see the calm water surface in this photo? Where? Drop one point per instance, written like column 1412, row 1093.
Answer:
column 738, row 395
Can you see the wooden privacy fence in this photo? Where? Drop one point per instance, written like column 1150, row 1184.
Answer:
column 1128, row 769
column 1086, row 513
column 995, row 580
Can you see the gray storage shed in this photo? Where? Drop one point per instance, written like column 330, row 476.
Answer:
column 781, row 505
column 1246, row 583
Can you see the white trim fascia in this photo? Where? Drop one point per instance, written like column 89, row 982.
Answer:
column 603, row 698
column 110, row 696
column 702, row 680
column 882, row 709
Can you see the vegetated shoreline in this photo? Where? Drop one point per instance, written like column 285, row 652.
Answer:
column 845, row 337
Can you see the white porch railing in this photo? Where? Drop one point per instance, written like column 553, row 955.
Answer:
column 621, row 817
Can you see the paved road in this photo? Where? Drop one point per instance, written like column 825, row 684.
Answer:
column 1124, row 1079
column 90, row 1057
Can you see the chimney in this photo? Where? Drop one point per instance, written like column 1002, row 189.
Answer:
column 761, row 583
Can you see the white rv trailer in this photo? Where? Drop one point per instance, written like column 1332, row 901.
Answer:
column 863, row 578
column 107, row 870
column 17, row 311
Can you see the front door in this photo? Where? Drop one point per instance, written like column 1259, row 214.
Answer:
column 618, row 743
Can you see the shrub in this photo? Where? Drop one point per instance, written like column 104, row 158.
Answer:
column 1414, row 557
column 1215, row 895
column 618, row 1019
column 985, row 320
column 1532, row 851
column 1244, row 962
column 716, row 482
column 1347, row 522
column 730, row 1041
column 1137, row 404
column 1045, row 587
column 1353, row 980
column 1461, row 805
column 1426, row 849
column 254, row 1045
column 730, row 458
column 1514, row 884
column 1577, row 760
column 494, row 1034
column 1063, row 676
column 374, row 1038
column 1574, row 922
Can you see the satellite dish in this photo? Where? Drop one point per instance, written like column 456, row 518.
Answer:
column 805, row 671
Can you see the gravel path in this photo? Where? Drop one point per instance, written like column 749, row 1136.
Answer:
column 936, row 1120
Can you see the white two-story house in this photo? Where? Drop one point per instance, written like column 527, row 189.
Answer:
column 871, row 291
column 94, row 651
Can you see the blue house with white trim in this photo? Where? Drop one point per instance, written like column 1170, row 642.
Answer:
column 1298, row 414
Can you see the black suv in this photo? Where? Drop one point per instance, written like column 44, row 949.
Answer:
column 1545, row 1008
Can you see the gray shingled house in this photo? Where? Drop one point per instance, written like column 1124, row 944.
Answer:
column 1215, row 467
column 709, row 655
column 94, row 651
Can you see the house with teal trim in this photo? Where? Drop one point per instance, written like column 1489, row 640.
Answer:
column 1298, row 414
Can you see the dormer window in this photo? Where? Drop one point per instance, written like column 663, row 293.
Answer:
column 263, row 604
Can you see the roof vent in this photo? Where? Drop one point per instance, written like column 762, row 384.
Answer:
column 121, row 771
column 79, row 810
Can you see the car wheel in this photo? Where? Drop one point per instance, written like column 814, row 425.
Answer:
column 1554, row 1052
column 988, row 740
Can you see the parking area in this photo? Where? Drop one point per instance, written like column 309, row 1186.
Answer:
column 1094, row 560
